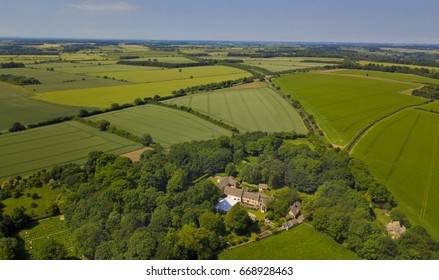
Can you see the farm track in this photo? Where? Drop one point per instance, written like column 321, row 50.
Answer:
column 430, row 175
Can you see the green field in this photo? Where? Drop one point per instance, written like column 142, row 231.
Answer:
column 54, row 228
column 166, row 59
column 343, row 105
column 91, row 68
column 55, row 81
column 279, row 64
column 365, row 62
column 166, row 126
column 299, row 243
column 402, row 152
column 16, row 106
column 387, row 75
column 35, row 149
column 103, row 97
column 37, row 212
column 259, row 109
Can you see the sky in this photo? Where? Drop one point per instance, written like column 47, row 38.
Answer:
column 370, row 21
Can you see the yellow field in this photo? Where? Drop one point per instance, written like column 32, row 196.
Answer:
column 103, row 97
column 150, row 76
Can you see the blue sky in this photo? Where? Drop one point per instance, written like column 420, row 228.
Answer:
column 388, row 21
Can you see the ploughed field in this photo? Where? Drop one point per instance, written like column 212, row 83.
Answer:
column 167, row 126
column 42, row 148
column 258, row 109
column 345, row 103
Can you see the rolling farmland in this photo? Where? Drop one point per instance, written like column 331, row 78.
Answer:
column 35, row 149
column 343, row 105
column 166, row 126
column 409, row 78
column 16, row 106
column 402, row 151
column 103, row 97
column 299, row 243
column 259, row 109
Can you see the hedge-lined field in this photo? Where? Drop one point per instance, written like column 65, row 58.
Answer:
column 259, row 109
column 166, row 126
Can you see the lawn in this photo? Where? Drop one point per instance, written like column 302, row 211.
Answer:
column 16, row 106
column 103, row 97
column 147, row 76
column 54, row 228
column 41, row 148
column 166, row 126
column 299, row 243
column 259, row 109
column 343, row 105
column 402, row 152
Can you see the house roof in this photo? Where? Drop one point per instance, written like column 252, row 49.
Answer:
column 233, row 191
column 263, row 186
column 251, row 195
column 394, row 228
column 296, row 207
column 226, row 181
column 225, row 204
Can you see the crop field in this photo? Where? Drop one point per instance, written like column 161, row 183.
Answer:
column 55, row 81
column 103, row 97
column 34, row 207
column 365, row 62
column 27, row 59
column 259, row 109
column 89, row 68
column 16, row 106
column 166, row 126
column 41, row 148
column 279, row 64
column 54, row 228
column 387, row 75
column 432, row 106
column 402, row 151
column 299, row 243
column 145, row 76
column 343, row 105
column 166, row 59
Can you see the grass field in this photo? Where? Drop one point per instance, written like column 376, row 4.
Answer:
column 16, row 106
column 365, row 62
column 35, row 149
column 54, row 228
column 93, row 69
column 103, row 97
column 279, row 64
column 402, row 151
column 299, row 243
column 145, row 76
column 166, row 126
column 55, row 80
column 166, row 59
column 37, row 212
column 342, row 105
column 259, row 109
column 387, row 75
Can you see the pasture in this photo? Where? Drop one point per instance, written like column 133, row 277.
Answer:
column 42, row 148
column 343, row 105
column 259, row 109
column 299, row 243
column 166, row 126
column 36, row 208
column 103, row 97
column 402, row 152
column 144, row 76
column 16, row 106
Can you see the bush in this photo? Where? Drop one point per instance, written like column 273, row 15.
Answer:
column 17, row 127
column 146, row 140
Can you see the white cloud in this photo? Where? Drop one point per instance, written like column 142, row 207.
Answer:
column 93, row 7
